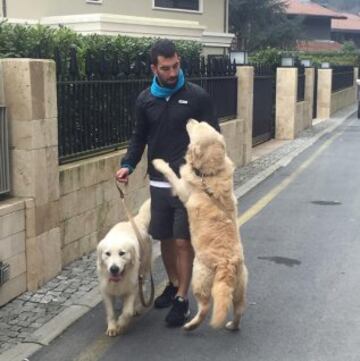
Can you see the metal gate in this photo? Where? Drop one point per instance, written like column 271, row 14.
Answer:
column 315, row 94
column 264, row 103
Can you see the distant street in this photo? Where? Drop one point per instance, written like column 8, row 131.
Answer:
column 301, row 234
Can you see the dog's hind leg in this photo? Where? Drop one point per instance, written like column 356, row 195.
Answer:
column 128, row 311
column 201, row 286
column 110, row 315
column 239, row 301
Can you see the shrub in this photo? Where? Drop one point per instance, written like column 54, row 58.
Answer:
column 39, row 41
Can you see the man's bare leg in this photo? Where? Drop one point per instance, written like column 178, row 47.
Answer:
column 169, row 257
column 185, row 258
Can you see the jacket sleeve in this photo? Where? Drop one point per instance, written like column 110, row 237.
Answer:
column 138, row 139
column 207, row 111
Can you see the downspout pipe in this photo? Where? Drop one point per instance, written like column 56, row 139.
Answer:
column 4, row 9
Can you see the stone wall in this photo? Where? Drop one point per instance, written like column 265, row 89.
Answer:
column 342, row 99
column 90, row 203
column 12, row 247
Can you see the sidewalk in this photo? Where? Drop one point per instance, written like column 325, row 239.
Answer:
column 35, row 318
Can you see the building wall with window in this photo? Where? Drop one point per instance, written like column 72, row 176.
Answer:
column 210, row 13
column 201, row 20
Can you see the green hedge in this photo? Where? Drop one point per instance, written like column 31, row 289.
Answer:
column 38, row 41
column 273, row 56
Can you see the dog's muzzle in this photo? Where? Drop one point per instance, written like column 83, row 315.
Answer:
column 115, row 274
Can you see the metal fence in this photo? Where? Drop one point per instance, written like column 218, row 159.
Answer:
column 342, row 77
column 4, row 154
column 264, row 103
column 96, row 109
column 301, row 84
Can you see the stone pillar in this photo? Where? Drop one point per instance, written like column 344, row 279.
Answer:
column 309, row 96
column 324, row 90
column 245, row 75
column 286, row 99
column 30, row 98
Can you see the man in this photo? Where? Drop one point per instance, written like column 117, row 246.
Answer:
column 162, row 112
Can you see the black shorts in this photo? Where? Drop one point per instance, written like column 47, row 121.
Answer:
column 169, row 218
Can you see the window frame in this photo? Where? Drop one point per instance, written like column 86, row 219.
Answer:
column 200, row 11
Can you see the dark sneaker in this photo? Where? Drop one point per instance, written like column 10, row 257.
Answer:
column 167, row 297
column 179, row 312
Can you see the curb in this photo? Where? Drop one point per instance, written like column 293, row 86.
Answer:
column 57, row 325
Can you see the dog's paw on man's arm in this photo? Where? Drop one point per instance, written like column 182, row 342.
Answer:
column 161, row 165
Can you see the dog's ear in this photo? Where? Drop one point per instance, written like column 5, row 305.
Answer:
column 132, row 255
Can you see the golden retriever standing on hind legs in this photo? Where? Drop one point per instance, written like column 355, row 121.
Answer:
column 206, row 189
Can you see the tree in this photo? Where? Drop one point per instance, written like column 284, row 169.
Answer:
column 262, row 23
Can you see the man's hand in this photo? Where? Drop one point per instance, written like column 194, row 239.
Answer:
column 122, row 175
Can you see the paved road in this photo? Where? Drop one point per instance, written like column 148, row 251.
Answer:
column 301, row 232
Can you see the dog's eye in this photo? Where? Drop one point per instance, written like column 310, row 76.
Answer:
column 121, row 253
column 108, row 254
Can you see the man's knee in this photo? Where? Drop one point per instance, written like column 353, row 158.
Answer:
column 183, row 245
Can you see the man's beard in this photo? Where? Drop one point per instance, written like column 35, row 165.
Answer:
column 167, row 84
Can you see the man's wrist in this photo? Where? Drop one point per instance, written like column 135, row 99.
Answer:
column 128, row 166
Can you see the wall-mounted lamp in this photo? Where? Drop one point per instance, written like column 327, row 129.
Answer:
column 240, row 57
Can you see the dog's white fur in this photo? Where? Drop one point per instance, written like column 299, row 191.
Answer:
column 219, row 267
column 120, row 250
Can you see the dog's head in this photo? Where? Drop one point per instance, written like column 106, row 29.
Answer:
column 115, row 257
column 206, row 150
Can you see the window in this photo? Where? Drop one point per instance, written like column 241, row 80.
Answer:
column 192, row 5
column 94, row 1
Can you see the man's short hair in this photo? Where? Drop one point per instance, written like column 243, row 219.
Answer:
column 162, row 47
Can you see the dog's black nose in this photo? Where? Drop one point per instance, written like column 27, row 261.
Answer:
column 114, row 269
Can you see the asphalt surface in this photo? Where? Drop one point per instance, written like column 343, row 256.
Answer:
column 301, row 235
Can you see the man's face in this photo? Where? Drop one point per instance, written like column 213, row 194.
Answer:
column 167, row 70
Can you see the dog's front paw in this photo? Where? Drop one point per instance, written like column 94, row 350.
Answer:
column 112, row 330
column 160, row 165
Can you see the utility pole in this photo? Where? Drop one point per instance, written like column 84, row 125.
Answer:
column 4, row 10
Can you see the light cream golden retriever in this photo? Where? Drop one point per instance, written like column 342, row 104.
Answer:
column 118, row 262
column 206, row 189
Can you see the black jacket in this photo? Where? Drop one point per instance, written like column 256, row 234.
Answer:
column 161, row 125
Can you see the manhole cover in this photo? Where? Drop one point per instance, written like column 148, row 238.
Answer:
column 327, row 203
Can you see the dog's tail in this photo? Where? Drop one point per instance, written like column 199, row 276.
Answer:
column 143, row 216
column 222, row 292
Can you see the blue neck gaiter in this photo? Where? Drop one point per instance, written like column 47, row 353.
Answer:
column 159, row 91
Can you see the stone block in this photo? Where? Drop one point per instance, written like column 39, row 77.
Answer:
column 12, row 223
column 12, row 245
column 43, row 254
column 80, row 225
column 11, row 205
column 69, row 178
column 286, row 99
column 17, row 264
column 78, row 202
column 233, row 133
column 22, row 173
column 34, row 134
column 17, row 89
column 13, row 288
column 70, row 253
